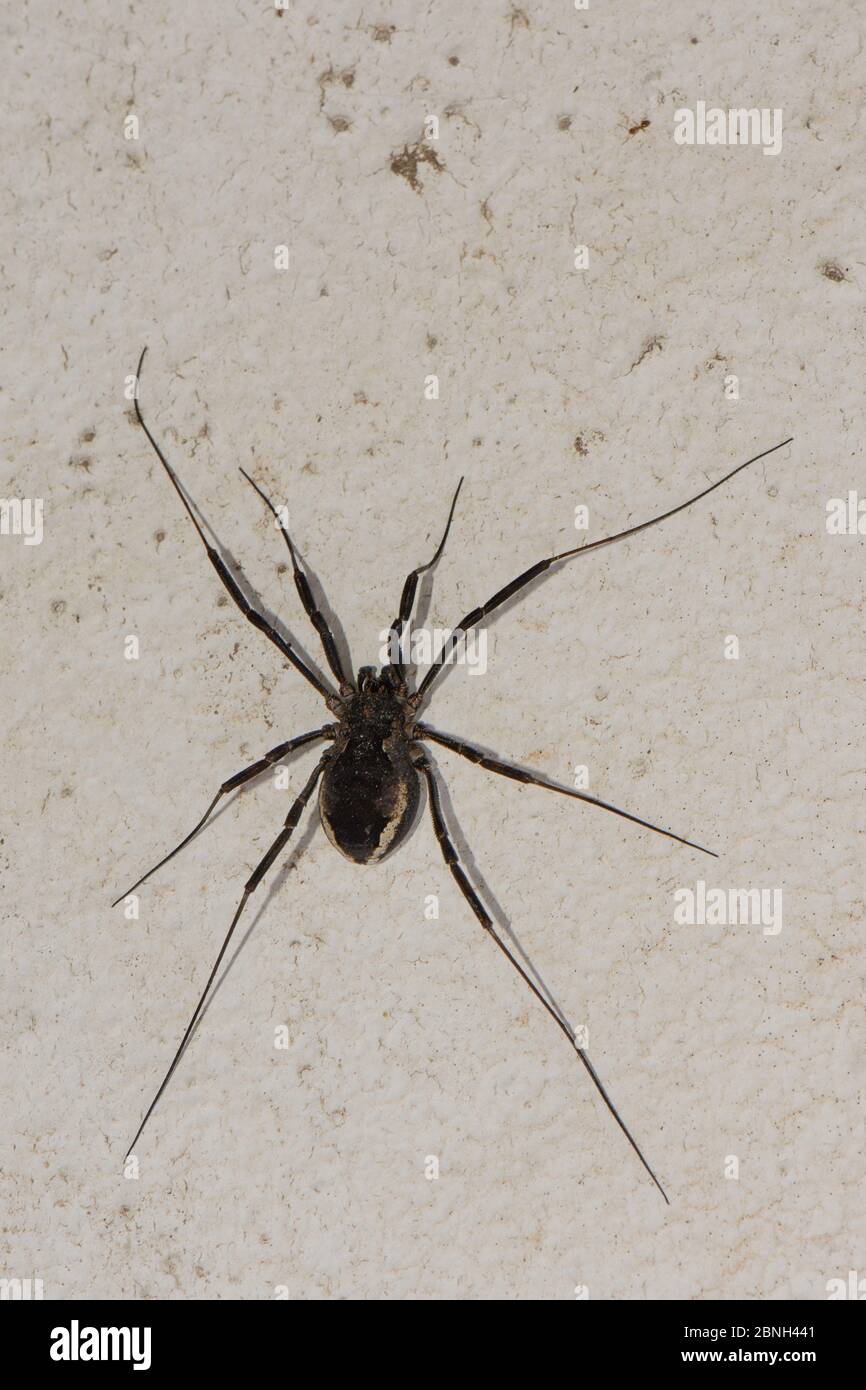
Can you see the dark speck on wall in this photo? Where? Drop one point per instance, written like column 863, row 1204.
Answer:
column 831, row 270
column 405, row 163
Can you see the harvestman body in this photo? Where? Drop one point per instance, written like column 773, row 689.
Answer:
column 370, row 776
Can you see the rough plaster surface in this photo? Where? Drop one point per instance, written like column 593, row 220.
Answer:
column 304, row 1168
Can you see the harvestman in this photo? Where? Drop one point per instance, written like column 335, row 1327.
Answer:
column 370, row 777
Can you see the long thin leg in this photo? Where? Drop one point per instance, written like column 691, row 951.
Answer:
column 475, row 755
column 257, row 619
column 399, row 632
column 532, row 573
column 315, row 615
column 450, row 856
column 252, row 883
column 231, row 784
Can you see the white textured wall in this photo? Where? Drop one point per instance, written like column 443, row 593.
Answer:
column 305, row 1168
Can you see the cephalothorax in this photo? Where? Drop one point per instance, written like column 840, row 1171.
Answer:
column 371, row 773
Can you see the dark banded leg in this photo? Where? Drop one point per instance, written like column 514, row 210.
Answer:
column 475, row 755
column 535, row 570
column 252, row 883
column 407, row 598
column 305, row 593
column 251, row 614
column 450, row 855
column 269, row 760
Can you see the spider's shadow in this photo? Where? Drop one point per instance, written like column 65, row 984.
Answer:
column 468, row 860
column 504, row 608
column 422, row 603
column 273, row 889
column 257, row 602
column 321, row 600
column 491, row 901
column 423, row 600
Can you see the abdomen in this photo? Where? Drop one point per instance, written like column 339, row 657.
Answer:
column 367, row 800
